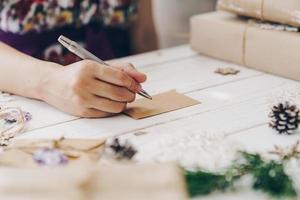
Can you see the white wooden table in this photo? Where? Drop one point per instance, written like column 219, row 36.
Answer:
column 237, row 105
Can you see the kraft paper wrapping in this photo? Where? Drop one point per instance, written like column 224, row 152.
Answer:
column 44, row 183
column 79, row 151
column 225, row 36
column 109, row 182
column 141, row 182
column 280, row 11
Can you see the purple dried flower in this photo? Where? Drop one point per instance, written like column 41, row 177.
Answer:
column 27, row 116
column 50, row 157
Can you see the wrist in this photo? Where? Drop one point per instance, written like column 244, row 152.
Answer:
column 47, row 69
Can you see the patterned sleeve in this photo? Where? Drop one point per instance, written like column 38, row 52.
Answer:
column 22, row 16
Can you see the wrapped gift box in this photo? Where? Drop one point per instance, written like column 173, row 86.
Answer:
column 78, row 151
column 94, row 182
column 85, row 175
column 225, row 36
column 281, row 11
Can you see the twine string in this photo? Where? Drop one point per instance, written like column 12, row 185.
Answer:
column 244, row 44
column 8, row 132
column 262, row 11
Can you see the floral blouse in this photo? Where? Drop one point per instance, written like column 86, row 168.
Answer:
column 23, row 17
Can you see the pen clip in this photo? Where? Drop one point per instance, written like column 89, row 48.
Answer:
column 69, row 44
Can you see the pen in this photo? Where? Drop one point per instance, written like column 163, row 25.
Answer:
column 85, row 54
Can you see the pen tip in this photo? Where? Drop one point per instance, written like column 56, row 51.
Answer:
column 145, row 94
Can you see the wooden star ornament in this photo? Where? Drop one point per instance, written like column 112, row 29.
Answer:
column 227, row 71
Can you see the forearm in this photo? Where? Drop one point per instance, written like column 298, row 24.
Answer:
column 21, row 74
column 84, row 89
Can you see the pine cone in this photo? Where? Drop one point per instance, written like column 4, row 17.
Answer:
column 122, row 151
column 285, row 118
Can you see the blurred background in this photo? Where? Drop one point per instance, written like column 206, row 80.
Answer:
column 171, row 19
column 123, row 28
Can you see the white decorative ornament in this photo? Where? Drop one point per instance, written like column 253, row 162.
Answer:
column 193, row 151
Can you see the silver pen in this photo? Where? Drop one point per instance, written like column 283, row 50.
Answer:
column 85, row 54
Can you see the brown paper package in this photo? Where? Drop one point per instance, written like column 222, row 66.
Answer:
column 109, row 182
column 280, row 11
column 79, row 151
column 225, row 36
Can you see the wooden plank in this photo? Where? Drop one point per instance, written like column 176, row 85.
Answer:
column 263, row 139
column 45, row 115
column 224, row 120
column 227, row 108
column 159, row 57
column 187, row 75
column 191, row 74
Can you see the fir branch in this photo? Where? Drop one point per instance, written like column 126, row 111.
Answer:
column 268, row 176
column 203, row 183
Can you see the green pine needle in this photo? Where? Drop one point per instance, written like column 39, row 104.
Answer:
column 203, row 183
column 268, row 176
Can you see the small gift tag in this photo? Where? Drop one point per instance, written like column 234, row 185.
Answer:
column 161, row 103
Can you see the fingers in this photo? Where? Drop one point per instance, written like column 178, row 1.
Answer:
column 132, row 72
column 92, row 106
column 94, row 113
column 111, row 92
column 115, row 76
column 106, row 105
column 89, row 89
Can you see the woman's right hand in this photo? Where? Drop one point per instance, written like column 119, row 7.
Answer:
column 89, row 89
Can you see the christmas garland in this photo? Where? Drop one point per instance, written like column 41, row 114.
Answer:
column 267, row 176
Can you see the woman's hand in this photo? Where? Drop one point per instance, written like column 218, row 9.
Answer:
column 89, row 89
